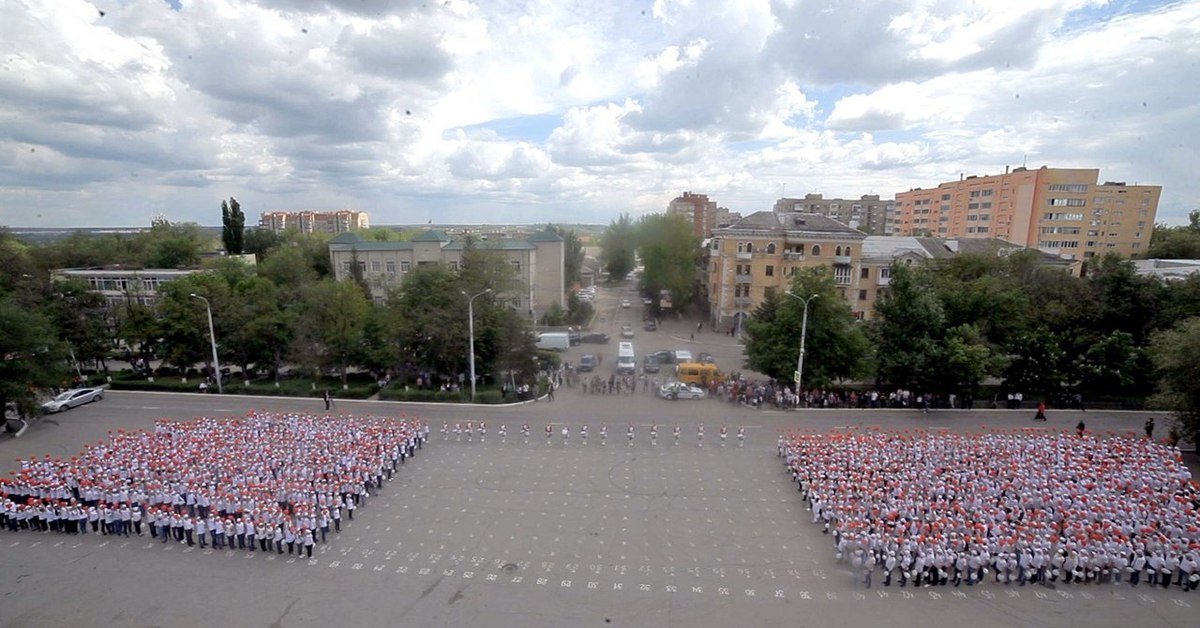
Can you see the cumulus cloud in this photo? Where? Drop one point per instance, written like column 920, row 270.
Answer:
column 390, row 106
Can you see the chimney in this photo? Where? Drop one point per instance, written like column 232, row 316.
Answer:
column 1005, row 169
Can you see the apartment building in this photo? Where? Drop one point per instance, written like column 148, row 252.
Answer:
column 698, row 210
column 1063, row 211
column 757, row 256
column 342, row 221
column 538, row 262
column 121, row 285
column 868, row 213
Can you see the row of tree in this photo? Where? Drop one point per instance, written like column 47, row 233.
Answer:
column 668, row 249
column 286, row 313
column 949, row 326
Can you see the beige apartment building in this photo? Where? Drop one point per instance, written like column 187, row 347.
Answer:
column 868, row 213
column 757, row 256
column 342, row 221
column 538, row 262
column 1064, row 211
column 696, row 209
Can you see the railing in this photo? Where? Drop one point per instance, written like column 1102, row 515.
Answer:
column 883, row 281
column 743, row 278
column 742, row 300
column 745, row 256
column 842, row 260
column 792, row 255
column 714, row 252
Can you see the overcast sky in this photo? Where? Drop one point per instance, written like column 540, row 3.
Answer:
column 510, row 111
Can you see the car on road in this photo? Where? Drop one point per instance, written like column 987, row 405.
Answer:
column 72, row 399
column 680, row 390
column 650, row 364
column 587, row 363
column 650, row 325
column 595, row 338
column 706, row 358
column 682, row 356
column 627, row 331
column 664, row 356
column 626, row 304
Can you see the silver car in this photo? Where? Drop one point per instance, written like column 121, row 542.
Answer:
column 680, row 390
column 72, row 398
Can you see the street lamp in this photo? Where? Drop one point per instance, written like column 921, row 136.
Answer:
column 803, row 333
column 212, row 338
column 471, row 331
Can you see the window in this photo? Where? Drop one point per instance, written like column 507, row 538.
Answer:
column 838, row 251
column 974, row 193
column 404, row 266
column 984, row 217
column 886, row 272
column 516, row 265
column 983, row 230
column 391, row 268
column 985, row 205
column 770, row 271
column 841, row 275
column 771, row 248
column 987, row 192
column 862, row 295
column 945, row 197
column 454, row 266
column 1066, row 202
column 346, row 267
column 1065, row 230
column 816, row 250
column 1058, row 244
column 866, row 273
column 741, row 247
column 1068, row 187
column 972, row 205
column 376, row 266
column 972, row 218
column 1061, row 216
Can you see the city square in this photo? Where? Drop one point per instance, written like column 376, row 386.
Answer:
column 548, row 532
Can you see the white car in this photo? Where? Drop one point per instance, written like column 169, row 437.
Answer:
column 73, row 398
column 627, row 331
column 625, row 303
column 682, row 356
column 680, row 390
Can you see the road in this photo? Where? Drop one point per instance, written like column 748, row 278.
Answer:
column 540, row 533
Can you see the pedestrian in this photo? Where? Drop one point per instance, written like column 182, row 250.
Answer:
column 1079, row 428
column 550, row 391
column 1041, row 412
column 1149, row 427
column 328, row 401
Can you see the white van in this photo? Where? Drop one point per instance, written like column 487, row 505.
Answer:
column 554, row 340
column 626, row 360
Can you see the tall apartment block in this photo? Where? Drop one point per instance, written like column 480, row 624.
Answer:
column 698, row 210
column 309, row 221
column 1057, row 210
column 869, row 213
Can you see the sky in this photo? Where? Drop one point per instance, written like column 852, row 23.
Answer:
column 518, row 112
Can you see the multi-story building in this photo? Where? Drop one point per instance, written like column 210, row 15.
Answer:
column 341, row 221
column 757, row 256
column 868, row 213
column 698, row 210
column 538, row 262
column 121, row 285
column 1057, row 210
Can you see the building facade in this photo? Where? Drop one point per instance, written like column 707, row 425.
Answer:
column 342, row 221
column 538, row 262
column 1064, row 211
column 758, row 255
column 122, row 285
column 696, row 209
column 868, row 213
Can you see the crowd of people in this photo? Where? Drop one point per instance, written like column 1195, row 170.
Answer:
column 264, row 482
column 470, row 431
column 933, row 508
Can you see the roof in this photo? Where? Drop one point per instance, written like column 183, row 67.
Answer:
column 792, row 222
column 545, row 235
column 346, row 238
column 492, row 245
column 432, row 235
column 891, row 247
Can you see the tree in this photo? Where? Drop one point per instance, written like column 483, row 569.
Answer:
column 288, row 268
column 333, row 316
column 80, row 317
column 233, row 230
column 427, row 318
column 909, row 325
column 259, row 241
column 1176, row 242
column 668, row 250
column 966, row 359
column 255, row 326
column 32, row 356
column 1176, row 356
column 617, row 247
column 182, row 321
column 572, row 254
column 835, row 346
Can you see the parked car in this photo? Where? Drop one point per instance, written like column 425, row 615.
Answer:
column 664, row 357
column 73, row 398
column 587, row 363
column 706, row 358
column 595, row 338
column 626, row 304
column 650, row 364
column 627, row 331
column 650, row 325
column 680, row 390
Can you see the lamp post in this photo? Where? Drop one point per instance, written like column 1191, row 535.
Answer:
column 803, row 334
column 471, row 332
column 212, row 338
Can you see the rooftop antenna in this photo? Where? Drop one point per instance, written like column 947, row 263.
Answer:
column 1024, row 158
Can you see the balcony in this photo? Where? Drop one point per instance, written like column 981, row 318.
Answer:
column 743, row 278
column 714, row 252
column 745, row 256
column 842, row 260
column 793, row 256
column 883, row 281
column 742, row 301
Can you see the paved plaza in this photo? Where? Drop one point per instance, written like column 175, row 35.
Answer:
column 515, row 534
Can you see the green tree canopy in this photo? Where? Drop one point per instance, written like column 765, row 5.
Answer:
column 233, row 227
column 1181, row 242
column 909, row 325
column 1176, row 356
column 618, row 246
column 668, row 250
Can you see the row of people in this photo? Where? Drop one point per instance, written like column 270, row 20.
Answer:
column 467, row 431
column 942, row 507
